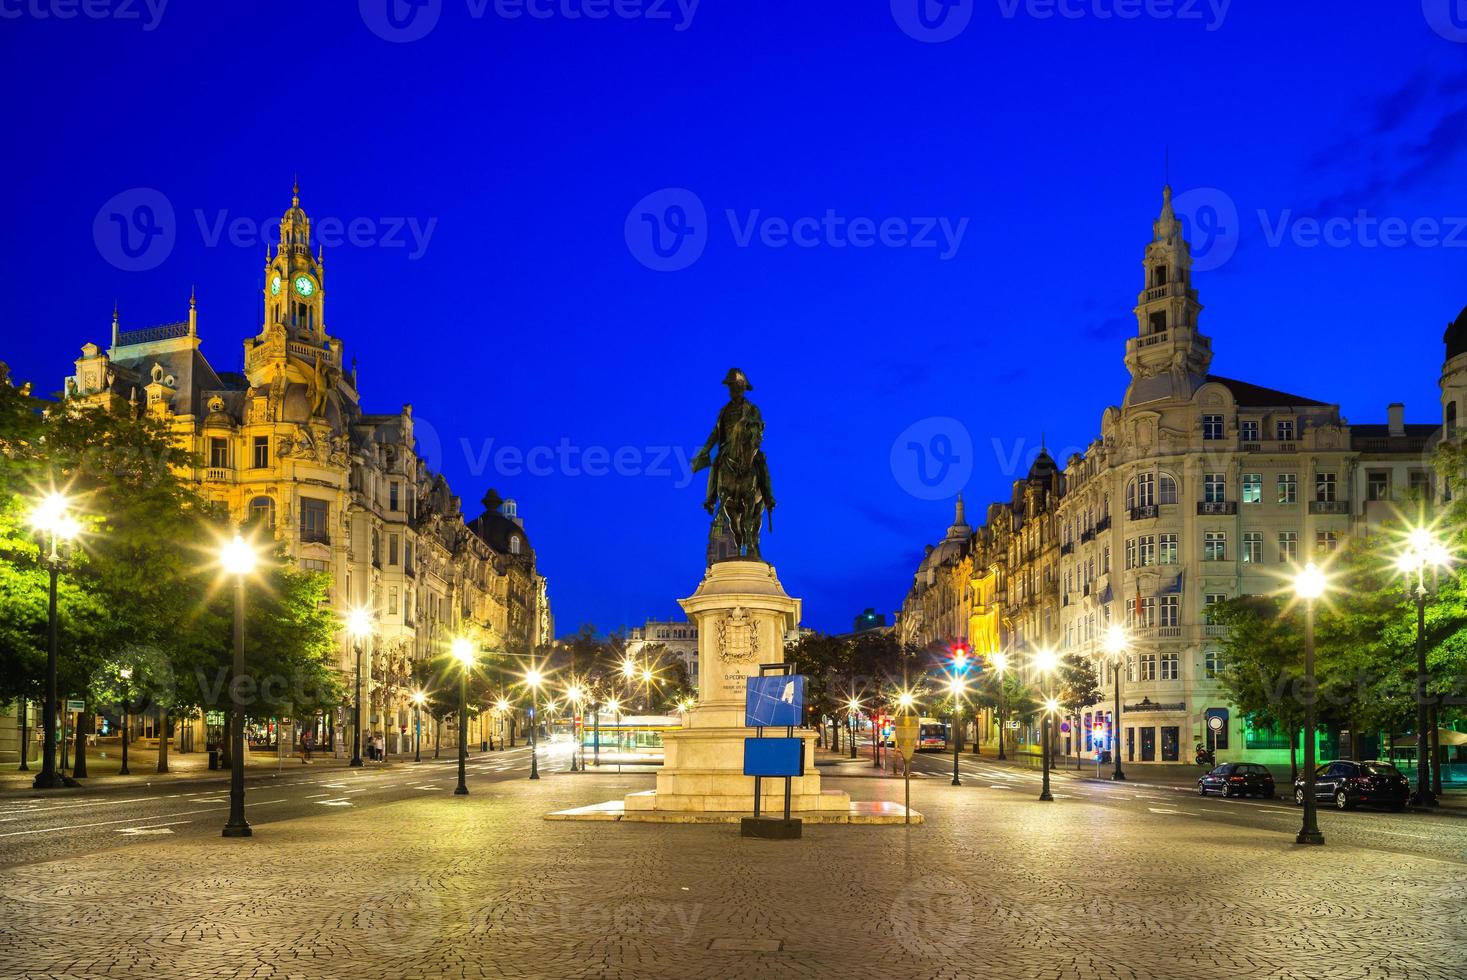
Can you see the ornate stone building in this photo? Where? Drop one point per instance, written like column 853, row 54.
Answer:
column 286, row 446
column 1199, row 488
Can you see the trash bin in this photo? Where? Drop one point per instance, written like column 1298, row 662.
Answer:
column 213, row 758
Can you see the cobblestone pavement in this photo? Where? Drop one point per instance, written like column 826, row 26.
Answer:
column 995, row 885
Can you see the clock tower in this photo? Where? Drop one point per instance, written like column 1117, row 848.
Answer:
column 294, row 296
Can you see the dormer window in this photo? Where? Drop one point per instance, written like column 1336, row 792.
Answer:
column 514, row 545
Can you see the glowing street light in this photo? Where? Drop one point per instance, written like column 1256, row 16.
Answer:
column 465, row 653
column 237, row 558
column 359, row 626
column 853, row 715
column 1309, row 585
column 1116, row 643
column 51, row 517
column 1000, row 661
column 1422, row 551
column 126, row 674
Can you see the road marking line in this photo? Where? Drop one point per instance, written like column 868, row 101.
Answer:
column 157, row 828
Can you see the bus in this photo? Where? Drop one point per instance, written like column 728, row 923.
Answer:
column 931, row 735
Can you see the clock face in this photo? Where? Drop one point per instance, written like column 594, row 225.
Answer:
column 275, row 286
column 304, row 286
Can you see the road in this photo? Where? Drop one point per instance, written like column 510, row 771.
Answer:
column 1432, row 835
column 36, row 827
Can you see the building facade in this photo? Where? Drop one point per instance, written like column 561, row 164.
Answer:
column 677, row 638
column 286, row 446
column 1199, row 488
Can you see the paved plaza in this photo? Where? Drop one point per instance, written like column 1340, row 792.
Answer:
column 995, row 885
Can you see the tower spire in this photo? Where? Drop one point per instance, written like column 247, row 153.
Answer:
column 193, row 313
column 295, row 192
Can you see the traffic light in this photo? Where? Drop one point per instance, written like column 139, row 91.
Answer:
column 961, row 658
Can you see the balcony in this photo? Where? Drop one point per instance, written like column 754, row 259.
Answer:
column 1144, row 513
column 410, row 570
column 1087, row 536
column 1103, row 524
column 1329, row 507
column 312, row 536
column 1217, row 508
column 1251, row 447
column 1067, row 548
column 219, row 474
column 1213, row 629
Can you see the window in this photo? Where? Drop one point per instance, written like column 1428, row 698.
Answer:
column 1451, row 420
column 218, row 453
column 1148, row 666
column 1131, row 553
column 1284, row 430
column 393, row 496
column 313, row 521
column 1168, row 552
column 1147, row 613
column 376, row 549
column 1212, row 426
column 262, row 512
column 1170, row 610
column 1146, row 550
column 1324, row 487
column 392, row 545
column 1419, row 483
column 1252, row 488
column 1248, row 430
column 1170, row 666
column 1215, row 546
column 1212, row 662
column 1105, row 561
column 514, row 545
column 1215, row 488
column 392, row 601
column 1289, row 547
column 312, row 565
column 1145, row 490
column 1252, row 547
column 1378, row 485
column 1168, row 493
column 261, row 457
column 1208, row 601
column 407, row 555
column 1325, row 542
column 1288, row 484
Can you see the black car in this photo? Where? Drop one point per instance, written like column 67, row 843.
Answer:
column 1349, row 783
column 1237, row 779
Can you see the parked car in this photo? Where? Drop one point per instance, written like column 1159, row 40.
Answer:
column 1349, row 783
column 1237, row 779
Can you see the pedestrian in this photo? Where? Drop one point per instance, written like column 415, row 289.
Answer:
column 379, row 744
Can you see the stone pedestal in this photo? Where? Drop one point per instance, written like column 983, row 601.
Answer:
column 742, row 614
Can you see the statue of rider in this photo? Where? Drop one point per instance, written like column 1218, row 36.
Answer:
column 738, row 476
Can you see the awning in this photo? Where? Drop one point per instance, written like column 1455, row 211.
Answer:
column 1445, row 736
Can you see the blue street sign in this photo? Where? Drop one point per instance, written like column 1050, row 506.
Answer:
column 773, row 757
column 774, row 700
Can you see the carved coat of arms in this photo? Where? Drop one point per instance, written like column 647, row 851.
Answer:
column 738, row 636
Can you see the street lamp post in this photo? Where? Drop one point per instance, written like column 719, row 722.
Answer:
column 1422, row 550
column 854, row 709
column 1309, row 586
column 1115, row 646
column 238, row 559
column 533, row 679
column 418, row 698
column 956, row 687
column 50, row 517
column 359, row 624
column 1000, row 664
column 1045, row 662
column 463, row 650
column 1050, row 707
column 574, row 696
column 126, row 674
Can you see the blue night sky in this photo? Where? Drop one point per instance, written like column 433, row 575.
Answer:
column 522, row 312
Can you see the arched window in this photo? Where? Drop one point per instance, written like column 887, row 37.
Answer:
column 262, row 512
column 514, row 545
column 1168, row 490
